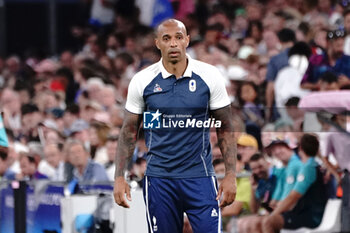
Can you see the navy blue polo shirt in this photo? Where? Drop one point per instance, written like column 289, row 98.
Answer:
column 176, row 117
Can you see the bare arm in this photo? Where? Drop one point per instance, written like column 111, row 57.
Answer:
column 232, row 210
column 126, row 146
column 254, row 203
column 228, row 147
column 269, row 95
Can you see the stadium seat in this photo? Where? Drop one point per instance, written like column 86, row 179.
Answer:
column 330, row 220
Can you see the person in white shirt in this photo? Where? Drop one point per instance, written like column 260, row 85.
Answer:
column 53, row 165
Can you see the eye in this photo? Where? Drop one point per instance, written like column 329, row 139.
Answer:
column 179, row 37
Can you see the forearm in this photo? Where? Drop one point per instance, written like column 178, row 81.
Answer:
column 269, row 95
column 254, row 203
column 226, row 139
column 228, row 147
column 126, row 144
column 288, row 203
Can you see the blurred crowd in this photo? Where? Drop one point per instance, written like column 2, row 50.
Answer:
column 62, row 113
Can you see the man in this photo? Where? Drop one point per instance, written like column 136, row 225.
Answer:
column 240, row 206
column 29, row 168
column 5, row 172
column 332, row 60
column 305, row 204
column 53, row 165
column 84, row 168
column 180, row 175
column 247, row 146
column 263, row 185
column 290, row 160
column 287, row 39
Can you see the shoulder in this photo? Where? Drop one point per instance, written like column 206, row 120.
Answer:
column 317, row 59
column 147, row 74
column 209, row 73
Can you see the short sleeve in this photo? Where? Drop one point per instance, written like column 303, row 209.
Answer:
column 305, row 179
column 218, row 94
column 134, row 102
column 271, row 72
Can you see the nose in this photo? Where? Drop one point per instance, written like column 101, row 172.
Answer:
column 173, row 43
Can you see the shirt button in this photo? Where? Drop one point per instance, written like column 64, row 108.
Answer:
column 175, row 84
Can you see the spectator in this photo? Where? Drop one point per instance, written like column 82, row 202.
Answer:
column 11, row 105
column 29, row 168
column 98, row 133
column 332, row 60
column 329, row 82
column 276, row 63
column 247, row 146
column 84, row 168
column 31, row 117
column 111, row 146
column 71, row 114
column 5, row 172
column 263, row 186
column 53, row 164
column 305, row 204
column 346, row 16
column 290, row 160
column 240, row 206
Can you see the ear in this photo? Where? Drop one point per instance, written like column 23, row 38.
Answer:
column 188, row 40
column 156, row 41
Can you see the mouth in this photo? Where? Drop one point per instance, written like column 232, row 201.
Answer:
column 174, row 53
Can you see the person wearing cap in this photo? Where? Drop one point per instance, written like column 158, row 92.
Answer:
column 333, row 60
column 305, row 204
column 247, row 145
column 290, row 160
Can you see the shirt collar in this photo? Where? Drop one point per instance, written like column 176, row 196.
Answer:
column 187, row 73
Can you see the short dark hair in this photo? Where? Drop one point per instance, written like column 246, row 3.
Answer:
column 73, row 109
column 3, row 153
column 300, row 48
column 346, row 12
column 292, row 101
column 286, row 35
column 29, row 108
column 309, row 144
column 329, row 77
column 256, row 157
column 217, row 162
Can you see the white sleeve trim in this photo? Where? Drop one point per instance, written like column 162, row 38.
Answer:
column 134, row 102
column 218, row 94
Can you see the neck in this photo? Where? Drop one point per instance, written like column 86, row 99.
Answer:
column 178, row 69
column 287, row 45
column 304, row 158
column 81, row 169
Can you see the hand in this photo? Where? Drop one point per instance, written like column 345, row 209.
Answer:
column 253, row 182
column 228, row 188
column 343, row 80
column 121, row 187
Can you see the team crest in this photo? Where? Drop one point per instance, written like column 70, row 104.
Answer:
column 157, row 88
column 192, row 85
